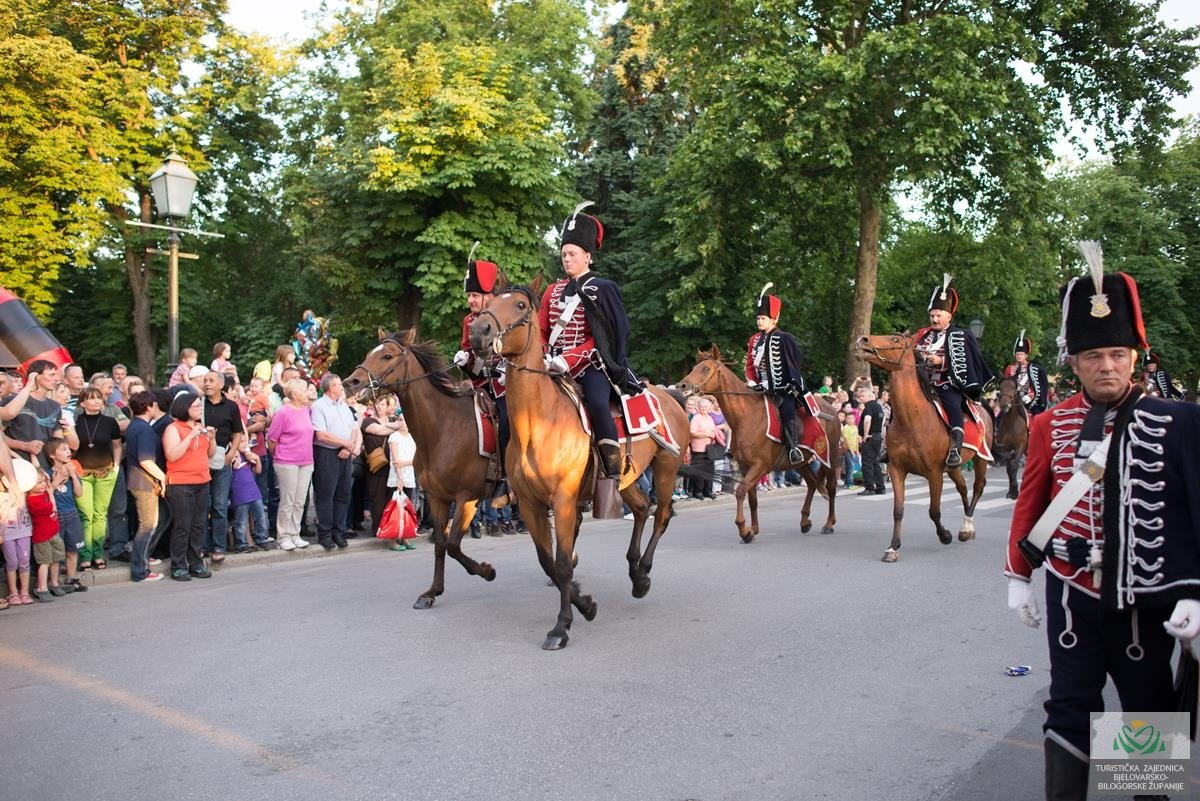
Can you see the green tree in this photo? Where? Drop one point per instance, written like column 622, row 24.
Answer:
column 451, row 127
column 858, row 96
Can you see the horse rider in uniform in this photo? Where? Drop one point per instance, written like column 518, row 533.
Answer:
column 1030, row 377
column 586, row 330
column 1157, row 380
column 1109, row 506
column 773, row 362
column 486, row 372
column 953, row 360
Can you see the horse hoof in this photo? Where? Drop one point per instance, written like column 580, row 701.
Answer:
column 890, row 556
column 827, row 530
column 945, row 536
column 589, row 611
column 963, row 536
column 555, row 642
column 423, row 602
column 1012, row 496
column 641, row 586
column 487, row 572
column 747, row 537
column 805, row 528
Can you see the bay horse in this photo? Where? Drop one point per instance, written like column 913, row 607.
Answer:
column 918, row 440
column 550, row 459
column 1012, row 433
column 752, row 450
column 440, row 413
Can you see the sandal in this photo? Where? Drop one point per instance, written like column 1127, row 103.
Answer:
column 100, row 564
column 84, row 566
column 3, row 603
column 26, row 599
column 217, row 557
column 399, row 546
column 14, row 600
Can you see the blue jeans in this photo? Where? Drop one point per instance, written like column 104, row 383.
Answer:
column 218, row 508
column 153, row 516
column 241, row 516
column 268, row 489
column 117, row 538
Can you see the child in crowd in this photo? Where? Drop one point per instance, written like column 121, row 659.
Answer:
column 850, row 440
column 246, row 500
column 48, row 548
column 187, row 360
column 66, row 486
column 221, row 353
column 16, row 534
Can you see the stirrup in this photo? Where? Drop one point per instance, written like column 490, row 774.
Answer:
column 796, row 455
column 953, row 458
column 500, row 497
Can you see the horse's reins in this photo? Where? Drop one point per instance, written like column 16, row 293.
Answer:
column 501, row 330
column 908, row 345
column 376, row 383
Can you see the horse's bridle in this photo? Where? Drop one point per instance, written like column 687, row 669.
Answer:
column 501, row 330
column 874, row 351
column 376, row 383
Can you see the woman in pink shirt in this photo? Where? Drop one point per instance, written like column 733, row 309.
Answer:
column 704, row 432
column 290, row 440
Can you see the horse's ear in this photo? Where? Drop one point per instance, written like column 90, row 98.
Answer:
column 716, row 353
column 502, row 283
column 408, row 336
column 382, row 334
column 537, row 285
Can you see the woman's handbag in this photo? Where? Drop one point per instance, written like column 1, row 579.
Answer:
column 715, row 452
column 389, row 521
column 376, row 460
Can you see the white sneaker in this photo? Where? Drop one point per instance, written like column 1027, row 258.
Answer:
column 629, row 516
column 299, row 543
column 285, row 544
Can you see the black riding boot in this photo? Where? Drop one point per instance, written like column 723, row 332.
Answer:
column 1066, row 774
column 791, row 441
column 500, row 497
column 610, row 455
column 954, row 458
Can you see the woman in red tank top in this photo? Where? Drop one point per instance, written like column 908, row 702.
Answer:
column 188, row 444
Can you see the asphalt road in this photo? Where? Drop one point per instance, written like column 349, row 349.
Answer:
column 797, row 667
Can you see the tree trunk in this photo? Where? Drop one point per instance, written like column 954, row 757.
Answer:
column 866, row 271
column 408, row 308
column 140, row 272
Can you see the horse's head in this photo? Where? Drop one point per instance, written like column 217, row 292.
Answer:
column 703, row 377
column 509, row 324
column 1007, row 395
column 886, row 351
column 379, row 366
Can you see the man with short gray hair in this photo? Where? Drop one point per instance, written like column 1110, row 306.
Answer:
column 337, row 443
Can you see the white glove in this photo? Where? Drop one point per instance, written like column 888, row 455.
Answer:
column 462, row 358
column 1020, row 598
column 503, row 377
column 556, row 364
column 1184, row 623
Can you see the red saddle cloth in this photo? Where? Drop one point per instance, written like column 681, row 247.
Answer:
column 636, row 416
column 485, row 430
column 973, row 428
column 812, row 436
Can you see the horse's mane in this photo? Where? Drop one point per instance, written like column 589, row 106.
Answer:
column 435, row 367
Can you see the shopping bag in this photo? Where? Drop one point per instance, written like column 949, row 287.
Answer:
column 389, row 521
column 408, row 514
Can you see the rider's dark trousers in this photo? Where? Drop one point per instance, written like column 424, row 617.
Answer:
column 952, row 399
column 786, row 403
column 502, row 424
column 1100, row 638
column 596, row 392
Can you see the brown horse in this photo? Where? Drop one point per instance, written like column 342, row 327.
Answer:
column 752, row 450
column 550, row 459
column 1012, row 433
column 441, row 417
column 917, row 440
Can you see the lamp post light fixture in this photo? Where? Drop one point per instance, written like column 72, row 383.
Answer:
column 173, row 186
column 976, row 326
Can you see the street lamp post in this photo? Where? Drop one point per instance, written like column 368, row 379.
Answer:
column 173, row 186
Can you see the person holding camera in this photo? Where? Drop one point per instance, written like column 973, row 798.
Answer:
column 188, row 444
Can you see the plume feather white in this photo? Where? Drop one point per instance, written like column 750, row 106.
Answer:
column 766, row 286
column 471, row 255
column 1093, row 254
column 946, row 279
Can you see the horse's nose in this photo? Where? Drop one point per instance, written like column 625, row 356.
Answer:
column 862, row 341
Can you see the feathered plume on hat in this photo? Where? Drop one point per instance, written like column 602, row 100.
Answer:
column 769, row 305
column 481, row 275
column 943, row 297
column 1113, row 316
column 1022, row 344
column 583, row 230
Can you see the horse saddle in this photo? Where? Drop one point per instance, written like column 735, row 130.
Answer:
column 486, row 424
column 636, row 416
column 811, row 431
column 974, row 431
